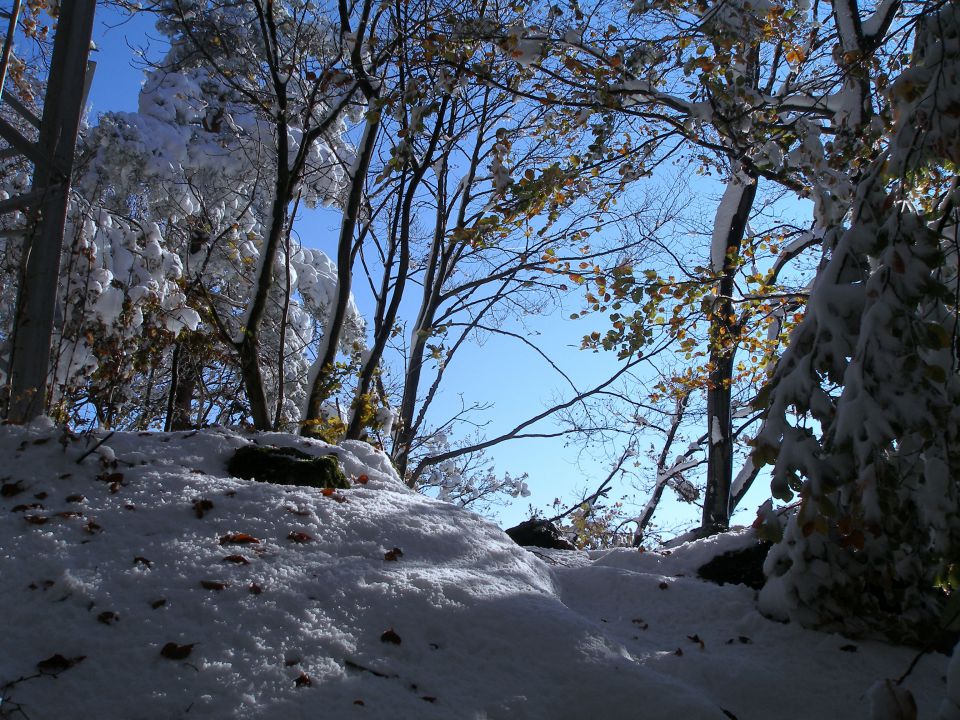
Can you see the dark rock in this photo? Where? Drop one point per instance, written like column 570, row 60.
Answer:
column 539, row 533
column 286, row 466
column 740, row 567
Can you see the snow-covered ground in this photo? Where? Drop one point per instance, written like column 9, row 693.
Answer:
column 141, row 580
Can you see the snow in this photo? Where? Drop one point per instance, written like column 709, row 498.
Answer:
column 108, row 554
column 716, row 432
column 723, row 223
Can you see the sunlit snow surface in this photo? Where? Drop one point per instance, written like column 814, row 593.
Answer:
column 486, row 630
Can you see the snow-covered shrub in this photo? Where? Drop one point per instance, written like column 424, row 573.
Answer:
column 864, row 407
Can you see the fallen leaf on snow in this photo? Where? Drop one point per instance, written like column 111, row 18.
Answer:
column 236, row 559
column 58, row 663
column 108, row 617
column 393, row 555
column 172, row 651
column 11, row 489
column 333, row 495
column 303, row 680
column 201, row 506
column 214, row 585
column 239, row 539
column 390, row 636
column 299, row 537
column 24, row 508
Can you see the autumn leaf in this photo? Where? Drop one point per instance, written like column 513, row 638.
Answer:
column 75, row 498
column 58, row 663
column 255, row 589
column 157, row 604
column 299, row 537
column 664, row 585
column 239, row 539
column 108, row 617
column 393, row 555
column 696, row 638
column 303, row 680
column 363, row 479
column 390, row 636
column 24, row 508
column 11, row 489
column 140, row 560
column 214, row 585
column 333, row 495
column 172, row 651
column 36, row 519
column 201, row 506
column 236, row 560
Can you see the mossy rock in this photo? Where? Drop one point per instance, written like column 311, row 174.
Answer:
column 286, row 466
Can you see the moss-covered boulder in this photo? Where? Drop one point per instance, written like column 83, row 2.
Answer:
column 286, row 466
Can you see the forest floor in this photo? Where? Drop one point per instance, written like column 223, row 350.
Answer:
column 141, row 580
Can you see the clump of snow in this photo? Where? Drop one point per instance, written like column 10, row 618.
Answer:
column 140, row 580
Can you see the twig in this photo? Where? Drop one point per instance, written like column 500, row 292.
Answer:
column 361, row 668
column 94, row 448
column 602, row 490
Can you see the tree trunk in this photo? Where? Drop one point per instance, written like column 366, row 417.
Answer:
column 322, row 382
column 724, row 331
column 37, row 294
column 183, row 388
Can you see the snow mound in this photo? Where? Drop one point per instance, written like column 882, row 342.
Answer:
column 140, row 580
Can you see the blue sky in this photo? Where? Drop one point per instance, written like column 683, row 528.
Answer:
column 501, row 372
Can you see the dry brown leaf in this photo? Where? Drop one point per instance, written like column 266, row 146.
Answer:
column 390, row 636
column 239, row 539
column 173, row 651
